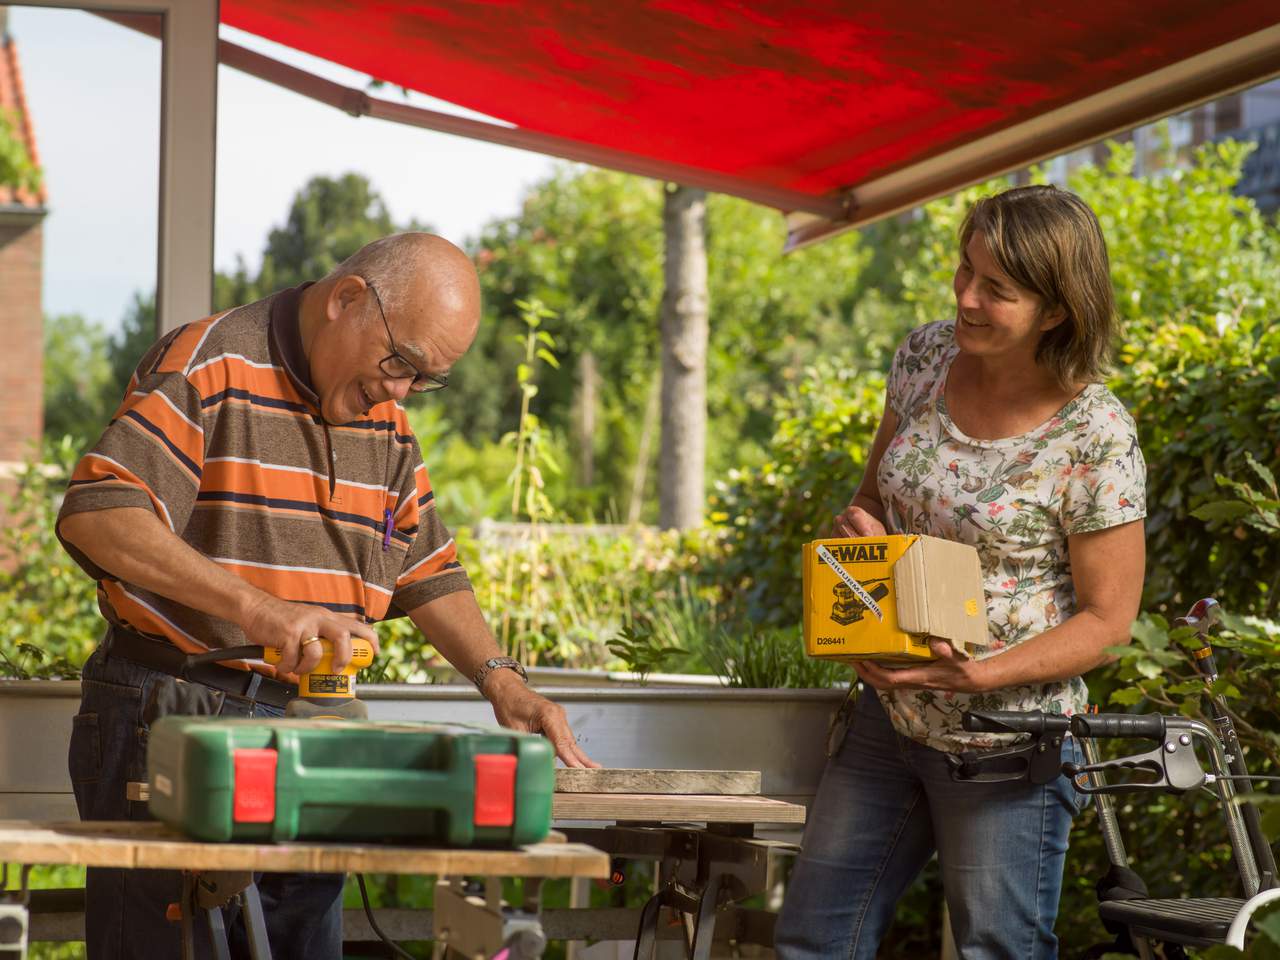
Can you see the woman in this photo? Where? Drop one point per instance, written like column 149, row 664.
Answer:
column 997, row 432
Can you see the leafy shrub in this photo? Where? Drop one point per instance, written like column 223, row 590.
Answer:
column 823, row 431
column 49, row 621
column 1203, row 400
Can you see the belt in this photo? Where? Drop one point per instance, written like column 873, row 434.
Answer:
column 166, row 658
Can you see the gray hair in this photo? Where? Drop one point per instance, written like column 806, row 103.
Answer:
column 389, row 264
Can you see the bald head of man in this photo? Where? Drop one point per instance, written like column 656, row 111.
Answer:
column 393, row 317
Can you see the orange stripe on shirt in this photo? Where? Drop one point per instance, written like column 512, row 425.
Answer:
column 190, row 443
column 301, row 585
column 94, row 468
column 429, row 568
column 185, row 344
column 229, row 370
column 308, row 515
column 292, row 485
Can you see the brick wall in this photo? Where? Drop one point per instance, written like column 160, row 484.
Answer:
column 21, row 337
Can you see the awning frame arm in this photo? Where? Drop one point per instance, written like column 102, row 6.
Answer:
column 359, row 103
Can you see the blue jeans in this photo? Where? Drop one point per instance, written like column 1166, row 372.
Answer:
column 885, row 805
column 125, row 909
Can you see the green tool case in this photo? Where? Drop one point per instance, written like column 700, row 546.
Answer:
column 267, row 780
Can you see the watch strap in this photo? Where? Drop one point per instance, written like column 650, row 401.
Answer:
column 497, row 663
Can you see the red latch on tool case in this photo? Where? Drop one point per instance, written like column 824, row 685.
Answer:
column 254, row 799
column 495, row 790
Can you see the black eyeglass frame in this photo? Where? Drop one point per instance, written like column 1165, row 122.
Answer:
column 421, row 382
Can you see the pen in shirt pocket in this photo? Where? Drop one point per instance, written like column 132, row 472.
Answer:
column 387, row 528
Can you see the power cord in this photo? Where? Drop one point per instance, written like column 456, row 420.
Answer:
column 373, row 924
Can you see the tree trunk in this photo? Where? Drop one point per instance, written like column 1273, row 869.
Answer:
column 636, row 503
column 587, row 380
column 682, row 461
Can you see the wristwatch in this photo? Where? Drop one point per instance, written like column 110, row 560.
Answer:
column 497, row 663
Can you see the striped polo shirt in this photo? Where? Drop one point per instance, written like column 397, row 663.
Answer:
column 221, row 436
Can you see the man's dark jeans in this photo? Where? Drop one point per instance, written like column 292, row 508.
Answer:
column 125, row 909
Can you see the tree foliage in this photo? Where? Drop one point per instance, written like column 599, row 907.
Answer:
column 589, row 245
column 17, row 170
column 77, row 375
column 329, row 219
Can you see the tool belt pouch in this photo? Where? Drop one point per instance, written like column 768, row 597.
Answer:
column 173, row 697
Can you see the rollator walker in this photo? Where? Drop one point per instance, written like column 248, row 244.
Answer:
column 1138, row 921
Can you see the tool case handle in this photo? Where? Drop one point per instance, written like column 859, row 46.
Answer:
column 448, row 790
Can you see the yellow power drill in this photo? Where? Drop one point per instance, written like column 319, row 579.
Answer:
column 325, row 693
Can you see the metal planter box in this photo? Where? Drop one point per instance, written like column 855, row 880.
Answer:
column 781, row 733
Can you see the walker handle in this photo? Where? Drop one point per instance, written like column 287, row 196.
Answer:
column 1034, row 722
column 1142, row 726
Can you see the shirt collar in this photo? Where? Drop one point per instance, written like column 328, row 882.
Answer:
column 286, row 340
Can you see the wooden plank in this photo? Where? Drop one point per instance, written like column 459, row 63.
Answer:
column 662, row 808
column 623, row 780
column 154, row 845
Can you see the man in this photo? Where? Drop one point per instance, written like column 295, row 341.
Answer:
column 260, row 484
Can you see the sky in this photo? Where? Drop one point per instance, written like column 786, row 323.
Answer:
column 93, row 89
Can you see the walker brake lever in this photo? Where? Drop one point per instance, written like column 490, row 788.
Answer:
column 1173, row 765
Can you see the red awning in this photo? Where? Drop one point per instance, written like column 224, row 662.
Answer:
column 849, row 111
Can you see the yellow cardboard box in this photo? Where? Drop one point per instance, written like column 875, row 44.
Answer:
column 881, row 598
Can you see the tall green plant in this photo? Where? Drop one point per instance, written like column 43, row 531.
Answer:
column 529, row 503
column 746, row 655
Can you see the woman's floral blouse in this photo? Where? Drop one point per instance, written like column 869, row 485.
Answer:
column 1016, row 500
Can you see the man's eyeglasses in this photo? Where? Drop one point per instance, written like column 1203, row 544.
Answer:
column 395, row 366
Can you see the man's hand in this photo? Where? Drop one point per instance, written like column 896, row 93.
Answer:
column 952, row 671
column 288, row 627
column 855, row 522
column 519, row 708
column 457, row 629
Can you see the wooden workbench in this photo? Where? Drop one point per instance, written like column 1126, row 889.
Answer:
column 149, row 845
column 594, row 797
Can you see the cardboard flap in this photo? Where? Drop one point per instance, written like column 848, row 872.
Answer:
column 913, row 600
column 940, row 592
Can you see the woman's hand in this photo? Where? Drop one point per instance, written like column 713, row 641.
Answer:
column 856, row 522
column 952, row 671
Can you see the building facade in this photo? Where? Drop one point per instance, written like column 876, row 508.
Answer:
column 1252, row 115
column 22, row 214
